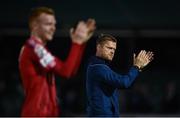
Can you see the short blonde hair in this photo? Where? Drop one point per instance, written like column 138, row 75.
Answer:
column 105, row 37
column 36, row 12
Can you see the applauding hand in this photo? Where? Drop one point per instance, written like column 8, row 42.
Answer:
column 83, row 31
column 143, row 59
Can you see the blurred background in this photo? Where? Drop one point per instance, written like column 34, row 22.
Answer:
column 151, row 25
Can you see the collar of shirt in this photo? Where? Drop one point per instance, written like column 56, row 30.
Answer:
column 98, row 60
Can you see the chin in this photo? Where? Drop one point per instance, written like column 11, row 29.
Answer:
column 109, row 59
column 50, row 38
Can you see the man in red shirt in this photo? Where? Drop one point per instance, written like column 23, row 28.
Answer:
column 38, row 66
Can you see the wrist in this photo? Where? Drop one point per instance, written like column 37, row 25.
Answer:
column 138, row 67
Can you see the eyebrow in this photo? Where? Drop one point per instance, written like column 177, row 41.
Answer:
column 110, row 47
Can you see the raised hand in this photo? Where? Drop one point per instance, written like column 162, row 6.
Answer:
column 83, row 31
column 143, row 59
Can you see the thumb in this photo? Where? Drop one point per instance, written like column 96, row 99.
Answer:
column 134, row 56
column 71, row 31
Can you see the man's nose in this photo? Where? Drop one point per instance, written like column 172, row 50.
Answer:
column 53, row 28
column 112, row 52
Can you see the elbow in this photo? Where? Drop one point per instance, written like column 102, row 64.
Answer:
column 127, row 84
column 63, row 72
column 70, row 73
column 128, row 81
column 67, row 74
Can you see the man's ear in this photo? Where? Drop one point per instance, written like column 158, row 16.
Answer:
column 98, row 47
column 34, row 25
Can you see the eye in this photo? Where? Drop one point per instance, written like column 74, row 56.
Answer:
column 111, row 48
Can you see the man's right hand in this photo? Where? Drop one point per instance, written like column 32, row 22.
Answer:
column 83, row 31
column 143, row 59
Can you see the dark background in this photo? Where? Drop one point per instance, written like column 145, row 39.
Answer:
column 152, row 25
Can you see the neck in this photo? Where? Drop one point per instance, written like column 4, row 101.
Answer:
column 38, row 38
column 98, row 55
column 101, row 57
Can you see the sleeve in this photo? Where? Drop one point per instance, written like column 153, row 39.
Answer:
column 70, row 66
column 105, row 74
column 65, row 68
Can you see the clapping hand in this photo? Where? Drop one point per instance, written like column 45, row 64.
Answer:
column 143, row 59
column 83, row 31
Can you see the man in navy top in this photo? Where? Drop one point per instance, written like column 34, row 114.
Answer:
column 102, row 83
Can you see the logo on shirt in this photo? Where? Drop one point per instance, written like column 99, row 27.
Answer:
column 46, row 59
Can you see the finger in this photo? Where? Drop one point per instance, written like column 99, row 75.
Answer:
column 81, row 29
column 140, row 54
column 80, row 25
column 71, row 30
column 143, row 54
column 89, row 36
column 150, row 59
column 90, row 22
column 91, row 25
column 150, row 55
column 134, row 56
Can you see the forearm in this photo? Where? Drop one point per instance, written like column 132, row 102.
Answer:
column 70, row 66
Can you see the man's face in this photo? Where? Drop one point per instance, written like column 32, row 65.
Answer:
column 106, row 50
column 45, row 27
